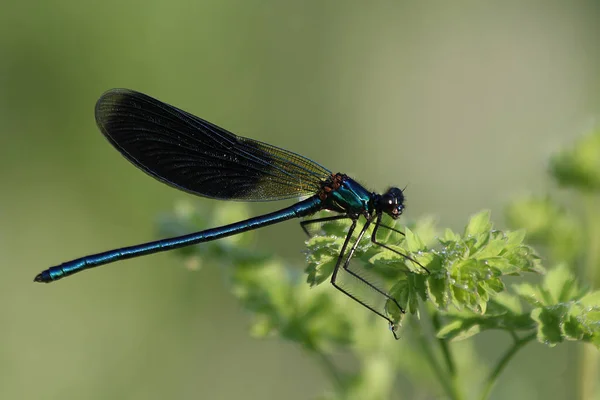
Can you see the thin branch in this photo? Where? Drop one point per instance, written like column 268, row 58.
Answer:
column 588, row 355
column 443, row 378
column 435, row 317
column 493, row 377
column 329, row 368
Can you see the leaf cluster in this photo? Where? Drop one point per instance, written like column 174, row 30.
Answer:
column 480, row 279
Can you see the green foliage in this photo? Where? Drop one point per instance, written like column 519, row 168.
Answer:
column 549, row 225
column 562, row 309
column 466, row 270
column 579, row 167
column 470, row 288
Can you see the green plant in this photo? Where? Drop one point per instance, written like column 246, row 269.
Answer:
column 465, row 294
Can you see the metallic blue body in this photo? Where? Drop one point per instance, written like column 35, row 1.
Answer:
column 298, row 210
column 351, row 197
column 194, row 155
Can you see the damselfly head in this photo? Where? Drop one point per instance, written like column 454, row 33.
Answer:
column 392, row 202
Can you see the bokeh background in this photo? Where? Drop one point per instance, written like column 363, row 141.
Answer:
column 463, row 102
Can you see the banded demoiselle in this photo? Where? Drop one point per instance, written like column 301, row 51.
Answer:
column 193, row 155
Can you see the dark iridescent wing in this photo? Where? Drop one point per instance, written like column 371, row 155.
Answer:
column 194, row 155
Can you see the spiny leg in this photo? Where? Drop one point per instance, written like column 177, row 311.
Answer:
column 392, row 229
column 304, row 223
column 341, row 289
column 374, row 240
column 366, row 282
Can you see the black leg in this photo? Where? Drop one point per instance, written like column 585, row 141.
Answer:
column 304, row 223
column 391, row 229
column 334, row 275
column 374, row 240
column 347, row 264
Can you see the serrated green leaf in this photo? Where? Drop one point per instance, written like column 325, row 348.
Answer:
column 515, row 238
column 560, row 284
column 479, row 224
column 319, row 273
column 492, row 248
column 323, row 243
column 426, row 229
column 591, row 299
column 501, row 266
column 439, row 290
column 495, row 286
column 413, row 302
column 572, row 328
column 392, row 311
column 401, row 290
column 470, row 270
column 450, row 236
column 529, row 293
column 483, row 298
column 420, row 286
column 413, row 242
column 407, row 292
column 462, row 297
column 549, row 322
column 387, row 256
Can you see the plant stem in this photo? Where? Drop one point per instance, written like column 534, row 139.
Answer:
column 588, row 355
column 493, row 377
column 447, row 382
column 330, row 368
column 588, row 366
column 444, row 346
column 593, row 236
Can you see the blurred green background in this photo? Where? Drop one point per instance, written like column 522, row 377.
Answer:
column 462, row 102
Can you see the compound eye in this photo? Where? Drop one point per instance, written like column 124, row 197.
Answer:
column 388, row 202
